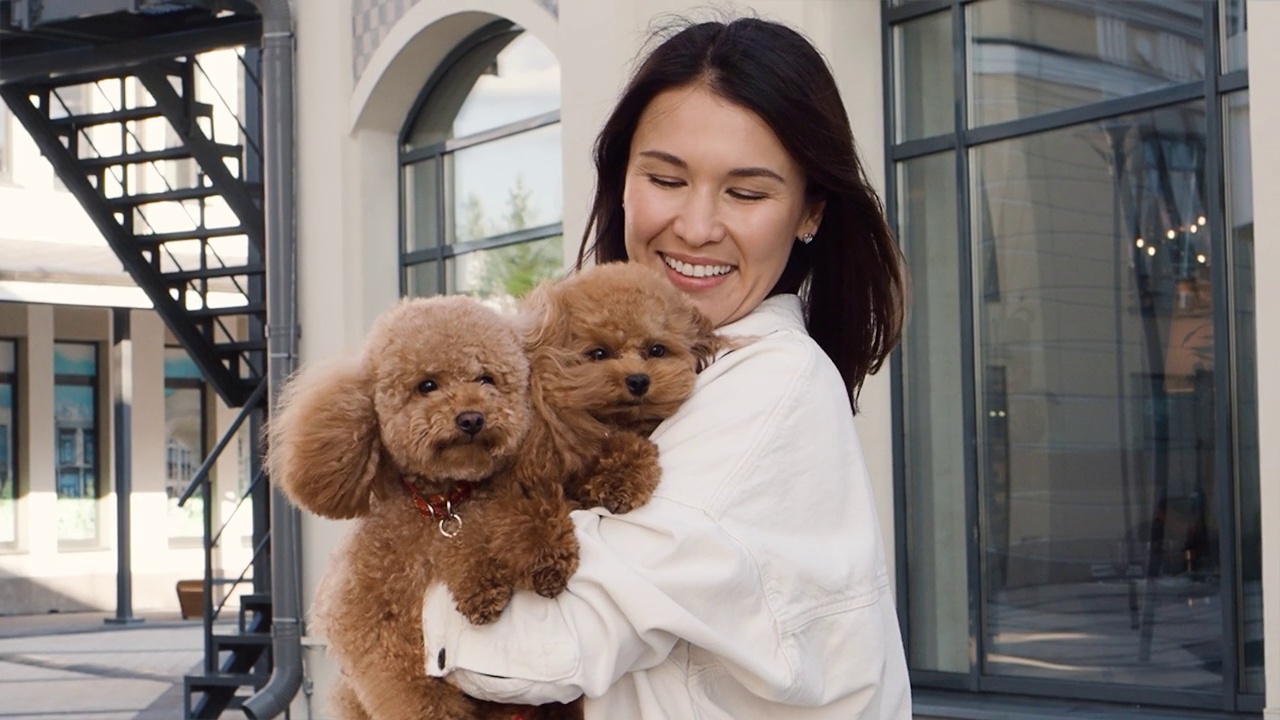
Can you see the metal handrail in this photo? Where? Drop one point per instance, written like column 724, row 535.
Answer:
column 202, row 474
column 243, row 496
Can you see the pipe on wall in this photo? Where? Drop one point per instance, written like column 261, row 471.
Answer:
column 282, row 333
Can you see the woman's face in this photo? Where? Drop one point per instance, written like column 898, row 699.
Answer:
column 713, row 200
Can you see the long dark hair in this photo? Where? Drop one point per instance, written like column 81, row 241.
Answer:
column 851, row 278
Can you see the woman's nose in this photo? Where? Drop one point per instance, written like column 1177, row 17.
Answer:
column 699, row 222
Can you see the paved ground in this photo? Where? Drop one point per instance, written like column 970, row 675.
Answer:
column 73, row 666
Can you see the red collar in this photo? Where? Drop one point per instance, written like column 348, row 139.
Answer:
column 441, row 506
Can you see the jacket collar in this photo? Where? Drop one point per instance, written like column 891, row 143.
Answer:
column 778, row 312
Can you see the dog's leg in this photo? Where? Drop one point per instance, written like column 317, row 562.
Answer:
column 531, row 535
column 623, row 478
column 388, row 697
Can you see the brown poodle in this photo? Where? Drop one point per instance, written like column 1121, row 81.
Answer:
column 613, row 350
column 415, row 440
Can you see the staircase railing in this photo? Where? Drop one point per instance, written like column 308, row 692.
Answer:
column 201, row 482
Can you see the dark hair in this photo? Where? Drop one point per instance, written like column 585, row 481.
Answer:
column 851, row 278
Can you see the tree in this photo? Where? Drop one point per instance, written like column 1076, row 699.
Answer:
column 514, row 270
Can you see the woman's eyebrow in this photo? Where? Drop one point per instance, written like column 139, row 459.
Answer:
column 747, row 172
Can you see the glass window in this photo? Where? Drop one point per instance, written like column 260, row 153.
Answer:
column 1235, row 35
column 1028, row 57
column 75, row 397
column 481, row 172
column 1080, row 358
column 1239, row 217
column 925, row 86
column 184, row 441
column 8, row 442
column 933, row 411
column 1098, row 356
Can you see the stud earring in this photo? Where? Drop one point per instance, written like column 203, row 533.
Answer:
column 806, row 238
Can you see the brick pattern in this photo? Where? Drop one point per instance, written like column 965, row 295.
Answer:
column 371, row 20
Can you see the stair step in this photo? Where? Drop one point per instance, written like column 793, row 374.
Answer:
column 181, row 276
column 254, row 640
column 145, row 112
column 173, row 153
column 194, row 193
column 209, row 313
column 224, row 680
column 256, row 601
column 155, row 239
column 234, row 348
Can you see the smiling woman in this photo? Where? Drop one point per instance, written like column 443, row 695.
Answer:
column 715, row 201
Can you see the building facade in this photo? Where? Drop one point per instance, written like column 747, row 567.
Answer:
column 1066, row 449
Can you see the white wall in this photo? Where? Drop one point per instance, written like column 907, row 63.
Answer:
column 1264, row 110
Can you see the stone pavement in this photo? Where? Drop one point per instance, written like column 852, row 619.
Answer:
column 73, row 666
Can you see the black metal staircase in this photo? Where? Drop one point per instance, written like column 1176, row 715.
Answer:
column 115, row 95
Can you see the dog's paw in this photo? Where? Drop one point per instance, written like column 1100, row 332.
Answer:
column 485, row 605
column 549, row 575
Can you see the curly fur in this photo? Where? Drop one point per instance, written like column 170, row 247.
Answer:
column 343, row 439
column 590, row 434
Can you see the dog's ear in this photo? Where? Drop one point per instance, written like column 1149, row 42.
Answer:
column 706, row 343
column 323, row 449
column 543, row 322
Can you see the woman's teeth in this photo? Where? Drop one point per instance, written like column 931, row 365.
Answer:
column 696, row 271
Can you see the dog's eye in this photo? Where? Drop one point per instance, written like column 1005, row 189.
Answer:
column 597, row 354
column 657, row 351
column 427, row 386
column 486, row 380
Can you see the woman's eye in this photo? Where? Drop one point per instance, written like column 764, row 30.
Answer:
column 743, row 195
column 657, row 351
column 665, row 182
column 427, row 386
column 486, row 380
column 597, row 354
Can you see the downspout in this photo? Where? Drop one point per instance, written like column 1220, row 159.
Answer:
column 282, row 332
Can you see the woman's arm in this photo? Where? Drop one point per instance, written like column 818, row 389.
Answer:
column 701, row 561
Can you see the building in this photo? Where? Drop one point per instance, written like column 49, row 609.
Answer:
column 1068, row 449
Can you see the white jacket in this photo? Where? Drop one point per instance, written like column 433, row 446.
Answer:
column 753, row 585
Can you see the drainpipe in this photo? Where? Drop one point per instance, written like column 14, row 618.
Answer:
column 282, row 332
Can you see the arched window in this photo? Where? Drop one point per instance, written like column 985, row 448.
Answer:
column 481, row 195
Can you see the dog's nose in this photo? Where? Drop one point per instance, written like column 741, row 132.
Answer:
column 638, row 384
column 470, row 422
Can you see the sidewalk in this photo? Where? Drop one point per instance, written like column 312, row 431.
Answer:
column 74, row 666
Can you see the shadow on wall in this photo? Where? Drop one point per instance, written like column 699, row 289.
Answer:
column 21, row 595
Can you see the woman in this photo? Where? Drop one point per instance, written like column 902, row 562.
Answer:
column 753, row 585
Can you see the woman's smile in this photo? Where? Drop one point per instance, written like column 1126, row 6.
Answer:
column 713, row 200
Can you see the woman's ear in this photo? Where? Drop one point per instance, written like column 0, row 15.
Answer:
column 323, row 449
column 812, row 219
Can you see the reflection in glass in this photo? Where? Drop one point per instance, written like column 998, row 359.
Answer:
column 505, row 79
column 925, row 88
column 1031, row 57
column 422, row 279
column 1096, row 353
column 422, row 204
column 1239, row 185
column 8, row 448
column 505, row 274
column 75, row 420
column 1235, row 35
column 933, row 411
column 506, row 185
column 184, row 441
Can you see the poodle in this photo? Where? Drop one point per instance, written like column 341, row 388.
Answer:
column 613, row 350
column 415, row 440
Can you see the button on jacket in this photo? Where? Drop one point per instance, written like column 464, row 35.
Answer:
column 752, row 585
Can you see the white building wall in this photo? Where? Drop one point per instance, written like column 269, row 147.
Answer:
column 347, row 166
column 1264, row 111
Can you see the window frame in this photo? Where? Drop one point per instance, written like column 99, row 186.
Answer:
column 101, row 489
column 1216, row 86
column 440, row 152
column 15, row 408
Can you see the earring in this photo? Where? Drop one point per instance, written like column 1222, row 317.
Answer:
column 806, row 238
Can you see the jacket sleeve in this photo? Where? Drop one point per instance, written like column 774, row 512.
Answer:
column 667, row 571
